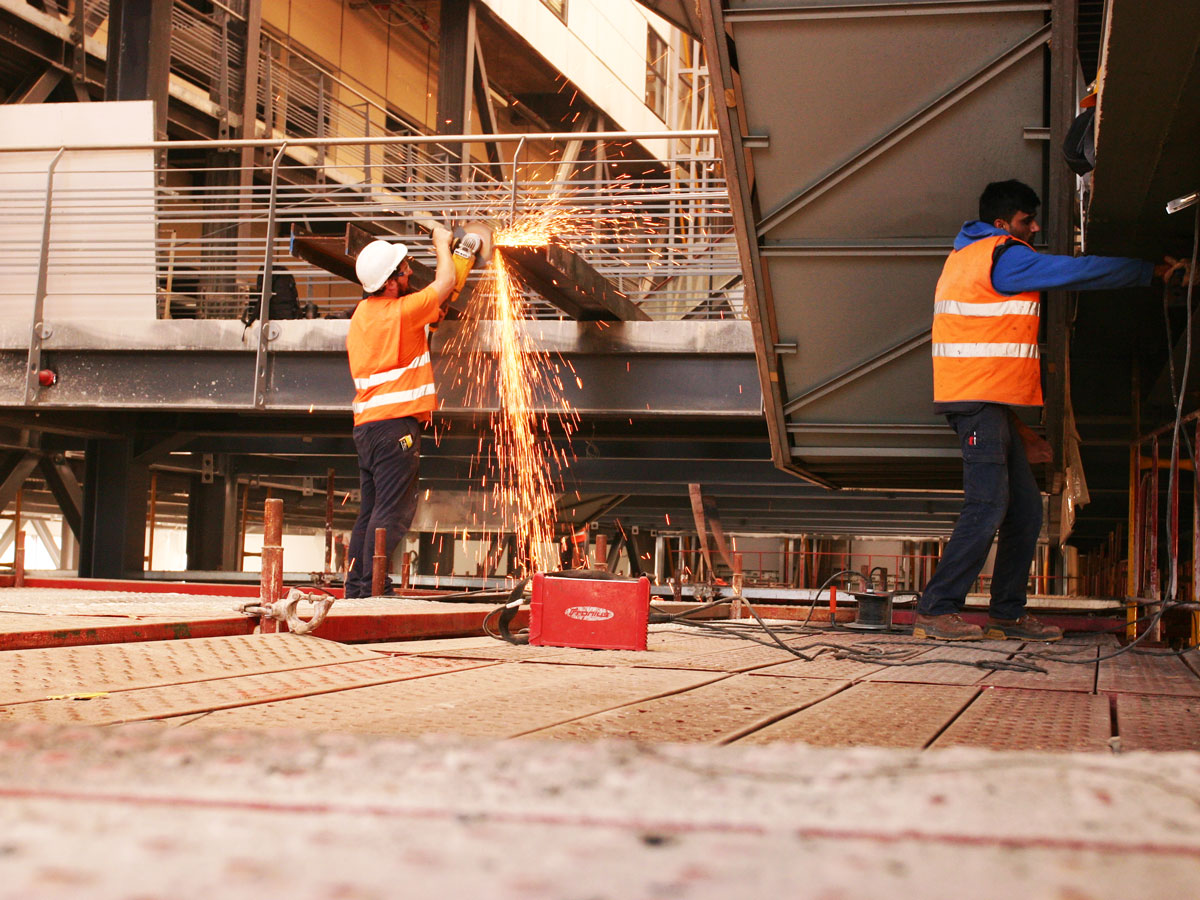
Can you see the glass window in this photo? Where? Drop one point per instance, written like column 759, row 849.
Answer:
column 656, row 73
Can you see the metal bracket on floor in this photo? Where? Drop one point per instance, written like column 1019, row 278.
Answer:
column 287, row 610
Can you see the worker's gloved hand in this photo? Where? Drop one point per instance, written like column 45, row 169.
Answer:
column 442, row 238
column 1176, row 271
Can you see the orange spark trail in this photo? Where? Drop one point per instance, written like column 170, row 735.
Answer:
column 519, row 460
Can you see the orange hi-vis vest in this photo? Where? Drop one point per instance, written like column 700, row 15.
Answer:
column 388, row 348
column 985, row 344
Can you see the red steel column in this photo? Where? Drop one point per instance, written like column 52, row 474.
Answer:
column 271, row 585
column 379, row 571
column 601, row 552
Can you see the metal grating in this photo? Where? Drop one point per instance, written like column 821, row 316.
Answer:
column 1139, row 673
column 713, row 712
column 1158, row 723
column 495, row 701
column 1003, row 719
column 870, row 714
column 227, row 693
column 27, row 675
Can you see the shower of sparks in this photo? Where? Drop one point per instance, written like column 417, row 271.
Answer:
column 518, row 463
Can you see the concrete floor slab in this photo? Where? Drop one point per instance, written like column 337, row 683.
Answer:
column 139, row 811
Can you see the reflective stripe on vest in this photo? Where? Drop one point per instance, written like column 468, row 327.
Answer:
column 1013, row 351
column 984, row 342
column 379, row 378
column 394, row 397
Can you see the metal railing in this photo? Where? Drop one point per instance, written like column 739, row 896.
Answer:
column 210, row 244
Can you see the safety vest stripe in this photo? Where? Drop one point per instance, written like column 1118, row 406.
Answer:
column 1005, row 308
column 1013, row 351
column 379, row 378
column 395, row 397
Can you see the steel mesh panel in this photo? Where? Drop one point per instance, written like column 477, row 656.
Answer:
column 872, row 714
column 711, row 712
column 1013, row 719
column 1139, row 673
column 35, row 674
column 494, row 701
column 1158, row 723
column 227, row 693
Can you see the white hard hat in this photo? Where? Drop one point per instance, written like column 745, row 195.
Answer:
column 376, row 262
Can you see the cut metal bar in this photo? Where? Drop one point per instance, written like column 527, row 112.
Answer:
column 379, row 563
column 567, row 281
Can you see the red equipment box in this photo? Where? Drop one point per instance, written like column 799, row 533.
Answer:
column 589, row 613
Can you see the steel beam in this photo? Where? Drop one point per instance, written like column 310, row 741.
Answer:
column 139, row 55
column 60, row 479
column 113, row 531
column 456, row 60
column 14, row 469
column 637, row 369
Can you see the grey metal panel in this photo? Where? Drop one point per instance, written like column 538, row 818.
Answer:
column 881, row 127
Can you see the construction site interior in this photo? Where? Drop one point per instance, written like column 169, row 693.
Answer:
column 651, row 629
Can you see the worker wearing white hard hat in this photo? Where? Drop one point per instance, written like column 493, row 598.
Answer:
column 394, row 392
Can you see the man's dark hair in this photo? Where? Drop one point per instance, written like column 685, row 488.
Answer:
column 1004, row 199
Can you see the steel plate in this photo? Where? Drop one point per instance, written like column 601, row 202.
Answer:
column 714, row 712
column 1011, row 719
column 872, row 714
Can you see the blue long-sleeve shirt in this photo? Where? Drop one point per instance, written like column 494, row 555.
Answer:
column 1020, row 269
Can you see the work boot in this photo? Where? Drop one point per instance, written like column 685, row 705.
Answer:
column 1026, row 628
column 948, row 627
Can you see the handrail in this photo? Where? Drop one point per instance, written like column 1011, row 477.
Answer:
column 505, row 138
column 34, row 362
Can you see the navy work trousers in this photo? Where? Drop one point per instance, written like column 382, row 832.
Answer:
column 389, row 462
column 1000, row 495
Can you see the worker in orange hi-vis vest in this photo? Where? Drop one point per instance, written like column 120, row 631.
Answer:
column 985, row 365
column 394, row 392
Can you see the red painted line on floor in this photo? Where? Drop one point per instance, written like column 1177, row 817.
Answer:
column 1011, row 842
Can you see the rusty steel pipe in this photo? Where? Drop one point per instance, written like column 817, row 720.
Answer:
column 736, row 610
column 271, row 583
column 329, row 522
column 602, row 552
column 19, row 558
column 379, row 569
column 405, row 571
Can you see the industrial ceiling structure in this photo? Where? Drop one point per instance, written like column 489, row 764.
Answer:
column 855, row 138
